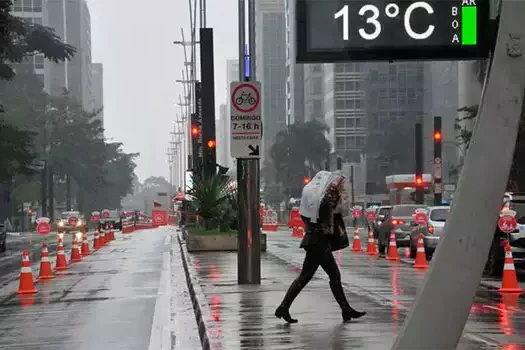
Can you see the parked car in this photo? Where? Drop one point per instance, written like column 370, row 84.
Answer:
column 496, row 258
column 397, row 220
column 380, row 216
column 432, row 232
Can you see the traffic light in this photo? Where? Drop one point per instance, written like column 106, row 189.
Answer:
column 211, row 144
column 438, row 140
column 306, row 180
column 419, row 180
column 195, row 131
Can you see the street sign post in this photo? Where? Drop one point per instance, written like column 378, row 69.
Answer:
column 371, row 215
column 42, row 226
column 507, row 221
column 421, row 217
column 245, row 120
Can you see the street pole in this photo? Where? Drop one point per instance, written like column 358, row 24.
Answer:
column 453, row 277
column 248, row 196
column 352, row 177
column 438, row 162
column 418, row 152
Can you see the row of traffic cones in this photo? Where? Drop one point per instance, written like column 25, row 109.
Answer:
column 509, row 283
column 27, row 285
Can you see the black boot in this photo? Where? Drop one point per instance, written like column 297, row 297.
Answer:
column 346, row 310
column 283, row 311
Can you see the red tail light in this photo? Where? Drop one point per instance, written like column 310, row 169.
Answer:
column 397, row 222
column 430, row 228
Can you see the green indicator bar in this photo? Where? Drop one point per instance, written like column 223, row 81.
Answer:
column 469, row 25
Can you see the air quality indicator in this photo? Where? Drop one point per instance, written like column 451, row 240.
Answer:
column 469, row 25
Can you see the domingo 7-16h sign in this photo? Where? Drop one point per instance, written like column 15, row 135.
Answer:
column 365, row 30
column 246, row 119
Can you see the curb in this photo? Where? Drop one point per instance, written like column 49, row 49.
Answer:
column 202, row 313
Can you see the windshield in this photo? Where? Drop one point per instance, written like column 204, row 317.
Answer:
column 68, row 214
column 405, row 210
column 383, row 211
column 440, row 215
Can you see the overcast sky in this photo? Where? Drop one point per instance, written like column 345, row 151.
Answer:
column 133, row 39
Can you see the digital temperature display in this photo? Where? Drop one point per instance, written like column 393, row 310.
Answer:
column 354, row 30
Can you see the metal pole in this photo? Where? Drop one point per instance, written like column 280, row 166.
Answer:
column 469, row 231
column 418, row 152
column 352, row 177
column 249, row 235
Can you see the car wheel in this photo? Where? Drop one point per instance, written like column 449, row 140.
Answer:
column 413, row 251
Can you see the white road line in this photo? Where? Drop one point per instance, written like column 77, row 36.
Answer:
column 160, row 338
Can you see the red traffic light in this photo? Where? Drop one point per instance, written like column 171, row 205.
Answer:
column 419, row 180
column 437, row 136
column 195, row 131
column 306, row 180
column 211, row 143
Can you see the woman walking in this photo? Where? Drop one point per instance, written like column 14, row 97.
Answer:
column 324, row 233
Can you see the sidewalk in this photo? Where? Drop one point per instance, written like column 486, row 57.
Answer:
column 241, row 317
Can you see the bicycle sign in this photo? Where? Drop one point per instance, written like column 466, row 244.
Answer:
column 245, row 98
column 245, row 119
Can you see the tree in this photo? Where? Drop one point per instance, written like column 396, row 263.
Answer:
column 516, row 181
column 20, row 38
column 299, row 151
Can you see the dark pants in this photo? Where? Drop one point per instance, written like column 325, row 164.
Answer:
column 318, row 256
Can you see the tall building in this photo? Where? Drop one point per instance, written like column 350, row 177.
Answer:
column 32, row 11
column 72, row 23
column 441, row 99
column 232, row 74
column 394, row 103
column 295, row 91
column 223, row 137
column 313, row 92
column 271, row 66
column 344, row 109
column 97, row 88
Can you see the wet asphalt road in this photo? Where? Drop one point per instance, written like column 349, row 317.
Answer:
column 10, row 260
column 241, row 317
column 106, row 301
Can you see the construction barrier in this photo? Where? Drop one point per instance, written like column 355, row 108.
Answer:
column 270, row 221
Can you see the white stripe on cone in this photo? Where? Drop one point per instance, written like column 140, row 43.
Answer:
column 508, row 267
column 45, row 259
column 26, row 270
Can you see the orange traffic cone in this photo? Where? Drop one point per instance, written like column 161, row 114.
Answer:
column 96, row 241
column 509, row 283
column 294, row 231
column 75, row 254
column 356, row 245
column 300, row 232
column 85, row 244
column 45, row 265
column 392, row 253
column 111, row 233
column 421, row 258
column 27, row 285
column 61, row 263
column 102, row 238
column 371, row 248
